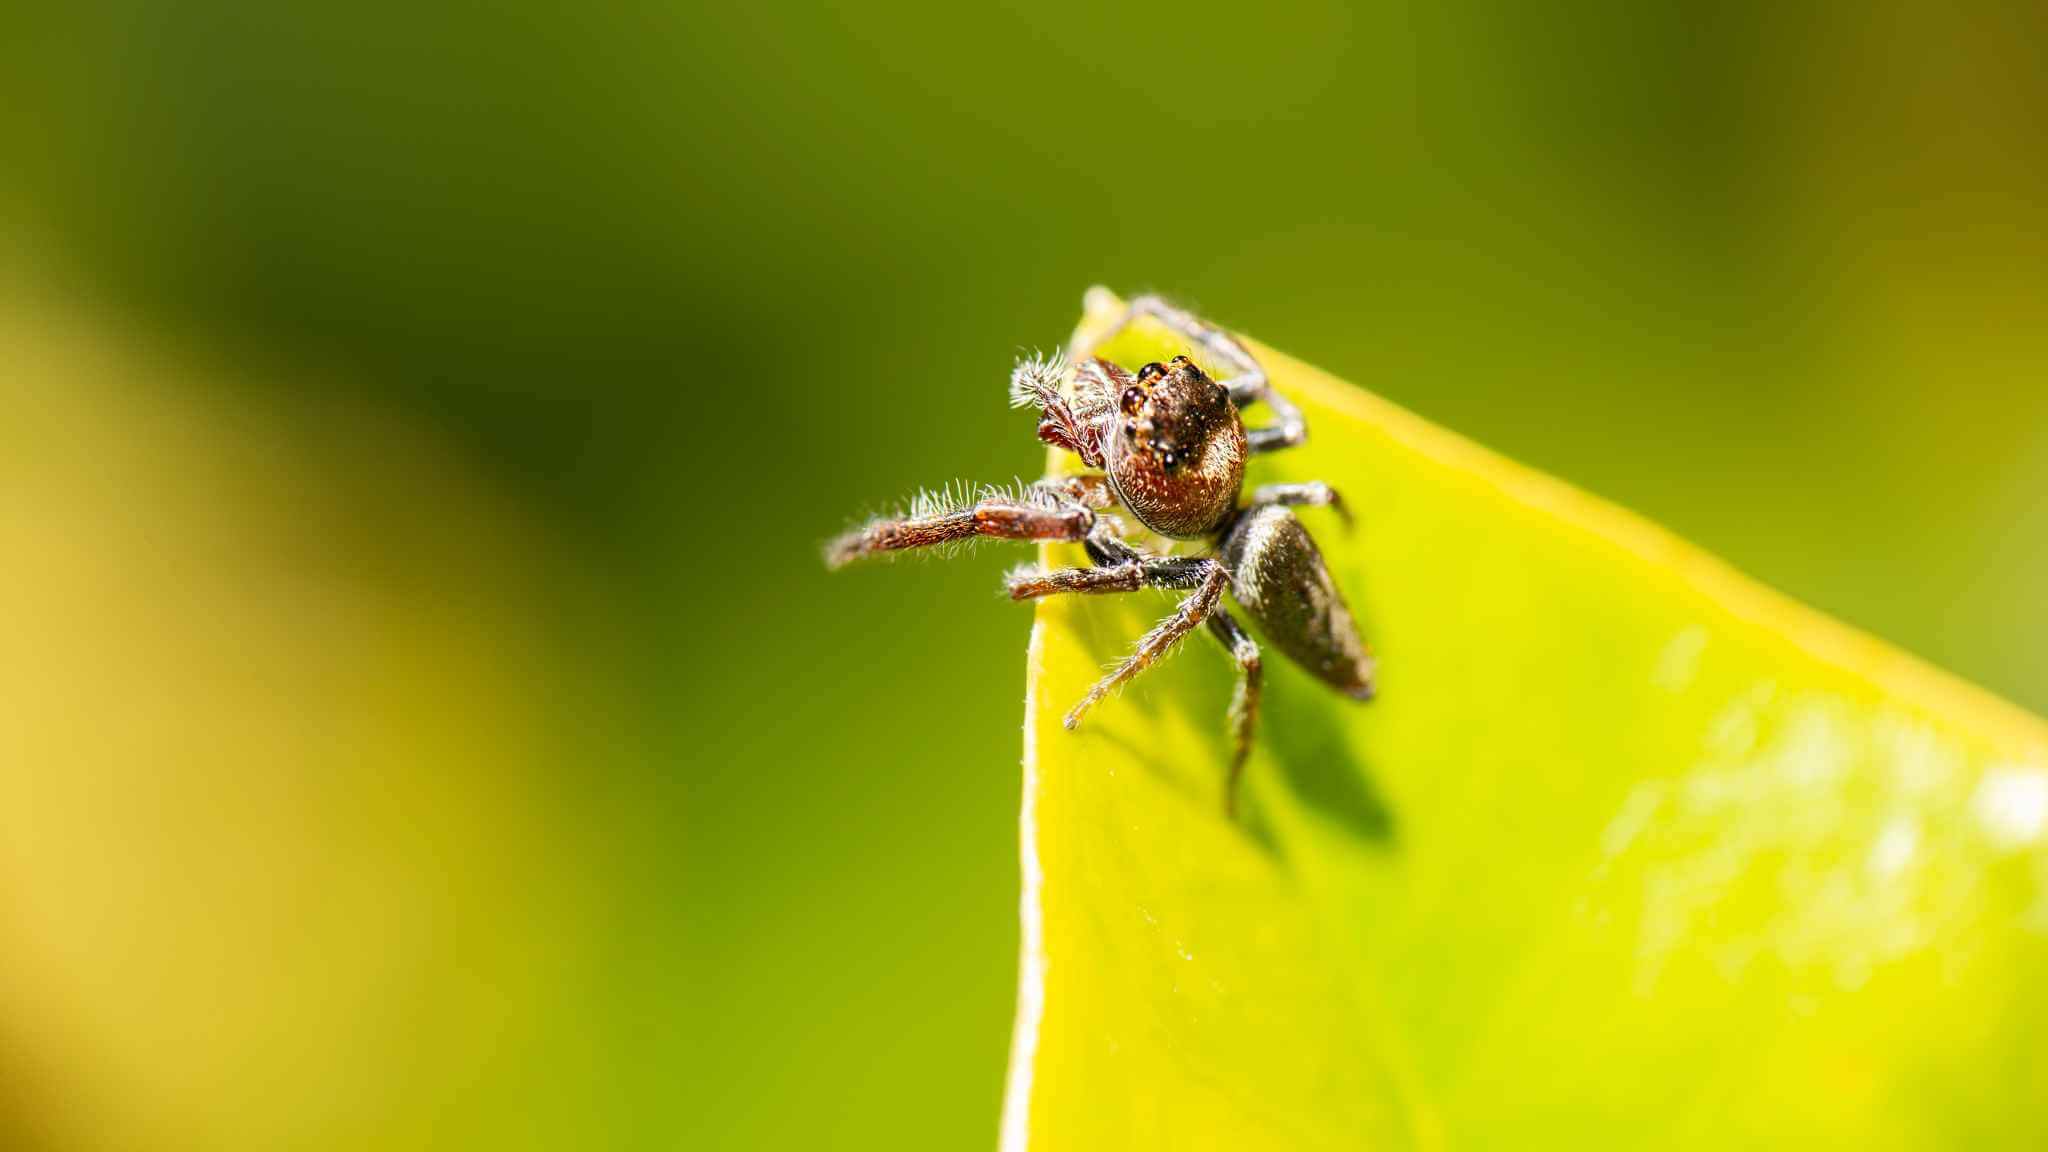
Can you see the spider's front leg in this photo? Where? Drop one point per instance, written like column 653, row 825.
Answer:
column 1052, row 510
column 1055, row 508
column 1234, row 368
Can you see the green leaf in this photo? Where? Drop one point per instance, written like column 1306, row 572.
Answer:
column 1629, row 851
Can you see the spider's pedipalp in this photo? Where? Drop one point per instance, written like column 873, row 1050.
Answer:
column 1037, row 379
column 1063, row 423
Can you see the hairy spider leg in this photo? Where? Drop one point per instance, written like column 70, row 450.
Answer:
column 1246, row 381
column 1053, row 516
column 1244, row 702
column 1194, row 608
column 1118, row 568
column 1123, row 569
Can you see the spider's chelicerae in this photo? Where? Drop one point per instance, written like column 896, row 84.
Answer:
column 1165, row 442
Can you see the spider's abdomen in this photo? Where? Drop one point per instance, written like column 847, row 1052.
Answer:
column 1278, row 574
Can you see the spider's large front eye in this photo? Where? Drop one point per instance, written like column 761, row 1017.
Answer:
column 1151, row 372
column 1131, row 401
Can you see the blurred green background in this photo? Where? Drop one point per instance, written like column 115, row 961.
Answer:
column 426, row 720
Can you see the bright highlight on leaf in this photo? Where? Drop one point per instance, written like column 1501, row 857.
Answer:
column 1629, row 852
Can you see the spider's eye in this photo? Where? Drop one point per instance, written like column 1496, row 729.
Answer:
column 1152, row 371
column 1168, row 461
column 1130, row 430
column 1180, row 361
column 1132, row 398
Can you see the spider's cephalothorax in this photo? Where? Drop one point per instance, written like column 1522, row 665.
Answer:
column 1171, row 448
column 1176, row 454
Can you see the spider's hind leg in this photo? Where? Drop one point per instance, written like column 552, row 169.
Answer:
column 1244, row 702
column 1309, row 494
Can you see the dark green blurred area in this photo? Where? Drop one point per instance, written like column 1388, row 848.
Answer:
column 678, row 291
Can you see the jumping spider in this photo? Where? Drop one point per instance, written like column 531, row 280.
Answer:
column 1167, row 444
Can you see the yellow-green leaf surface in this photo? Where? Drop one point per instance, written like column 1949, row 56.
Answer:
column 1630, row 851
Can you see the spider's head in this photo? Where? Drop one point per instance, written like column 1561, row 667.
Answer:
column 1175, row 449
